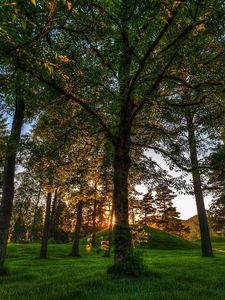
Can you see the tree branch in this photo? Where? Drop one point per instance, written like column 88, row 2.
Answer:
column 70, row 96
column 153, row 87
column 151, row 48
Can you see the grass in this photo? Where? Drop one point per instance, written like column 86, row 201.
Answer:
column 176, row 274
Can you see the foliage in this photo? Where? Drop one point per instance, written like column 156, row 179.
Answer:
column 217, row 214
column 140, row 236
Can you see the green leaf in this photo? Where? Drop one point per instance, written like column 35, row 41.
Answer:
column 24, row 24
column 14, row 18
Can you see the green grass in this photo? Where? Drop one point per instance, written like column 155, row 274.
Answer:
column 176, row 274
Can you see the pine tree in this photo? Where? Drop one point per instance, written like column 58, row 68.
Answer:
column 147, row 209
column 217, row 214
column 169, row 219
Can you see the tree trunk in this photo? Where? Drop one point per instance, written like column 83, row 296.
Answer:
column 93, row 240
column 123, row 241
column 44, row 242
column 76, row 239
column 110, row 232
column 33, row 226
column 202, row 217
column 53, row 221
column 8, row 178
column 121, row 163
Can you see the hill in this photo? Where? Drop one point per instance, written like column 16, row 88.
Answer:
column 157, row 239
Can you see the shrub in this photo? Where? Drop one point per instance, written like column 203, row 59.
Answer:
column 131, row 265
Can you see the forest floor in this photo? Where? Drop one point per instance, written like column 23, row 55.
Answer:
column 176, row 274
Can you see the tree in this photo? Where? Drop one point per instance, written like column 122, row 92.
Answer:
column 18, row 89
column 203, row 224
column 148, row 209
column 217, row 214
column 167, row 217
column 8, row 175
column 76, row 238
column 61, row 219
column 46, row 228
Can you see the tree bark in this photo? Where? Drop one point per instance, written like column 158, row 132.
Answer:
column 76, row 239
column 8, row 178
column 44, row 242
column 123, row 241
column 202, row 217
column 53, row 221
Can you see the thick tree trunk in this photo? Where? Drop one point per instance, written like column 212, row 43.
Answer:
column 76, row 239
column 8, row 178
column 121, row 164
column 33, row 226
column 202, row 217
column 93, row 240
column 123, row 240
column 44, row 242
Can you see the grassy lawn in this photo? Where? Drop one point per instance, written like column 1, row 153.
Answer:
column 177, row 274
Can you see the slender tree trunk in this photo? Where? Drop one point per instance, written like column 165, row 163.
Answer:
column 110, row 232
column 8, row 178
column 76, row 239
column 202, row 217
column 53, row 221
column 44, row 242
column 33, row 226
column 93, row 240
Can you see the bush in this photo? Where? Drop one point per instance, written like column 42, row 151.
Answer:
column 132, row 265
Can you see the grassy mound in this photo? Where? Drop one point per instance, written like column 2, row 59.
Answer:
column 158, row 239
column 163, row 240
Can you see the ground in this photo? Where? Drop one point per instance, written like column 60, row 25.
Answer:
column 176, row 274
